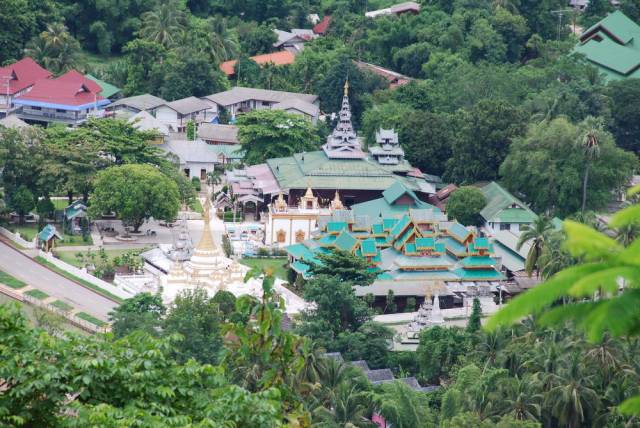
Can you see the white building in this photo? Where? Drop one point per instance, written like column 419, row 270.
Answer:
column 177, row 114
column 196, row 158
column 504, row 211
column 240, row 100
column 287, row 225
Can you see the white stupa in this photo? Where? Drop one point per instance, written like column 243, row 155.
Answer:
column 210, row 269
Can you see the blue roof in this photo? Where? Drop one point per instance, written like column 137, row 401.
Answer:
column 48, row 232
column 100, row 103
column 459, row 232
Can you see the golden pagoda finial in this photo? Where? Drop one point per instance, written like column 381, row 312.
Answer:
column 346, row 87
column 281, row 204
column 206, row 242
column 309, row 193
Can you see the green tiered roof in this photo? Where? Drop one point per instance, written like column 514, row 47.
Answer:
column 402, row 252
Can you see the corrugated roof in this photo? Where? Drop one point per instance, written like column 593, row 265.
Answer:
column 143, row 121
column 70, row 89
column 345, row 242
column 140, row 102
column 300, row 105
column 239, row 94
column 188, row 105
column 216, row 132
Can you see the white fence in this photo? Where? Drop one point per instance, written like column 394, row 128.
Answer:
column 122, row 292
column 15, row 237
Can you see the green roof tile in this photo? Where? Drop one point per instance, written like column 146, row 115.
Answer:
column 477, row 261
column 481, row 243
column 425, row 243
column 369, row 247
column 336, row 226
column 345, row 242
column 108, row 90
column 299, row 251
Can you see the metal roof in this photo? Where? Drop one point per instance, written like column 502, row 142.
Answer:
column 188, row 105
column 502, row 206
column 217, row 132
column 239, row 94
column 140, row 102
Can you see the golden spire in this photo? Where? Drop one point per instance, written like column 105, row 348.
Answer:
column 281, row 204
column 309, row 193
column 346, row 87
column 206, row 242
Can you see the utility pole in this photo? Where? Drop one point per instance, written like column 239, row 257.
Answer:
column 560, row 13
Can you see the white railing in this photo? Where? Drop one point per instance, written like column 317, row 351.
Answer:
column 136, row 283
column 84, row 275
column 16, row 238
column 78, row 322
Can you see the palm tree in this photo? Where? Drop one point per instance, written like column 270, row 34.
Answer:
column 521, row 398
column 537, row 233
column 349, row 408
column 55, row 36
column 572, row 399
column 591, row 147
column 404, row 408
column 627, row 234
column 164, row 24
column 223, row 41
column 554, row 257
column 55, row 48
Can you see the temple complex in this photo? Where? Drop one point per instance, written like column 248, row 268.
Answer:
column 414, row 247
column 342, row 166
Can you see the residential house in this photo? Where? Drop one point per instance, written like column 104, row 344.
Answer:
column 177, row 114
column 613, row 47
column 216, row 134
column 276, row 58
column 143, row 121
column 196, row 158
column 69, row 99
column 127, row 107
column 241, row 100
column 17, row 79
column 294, row 40
column 398, row 9
column 504, row 211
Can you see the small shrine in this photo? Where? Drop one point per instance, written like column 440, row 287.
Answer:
column 308, row 201
column 429, row 315
column 47, row 237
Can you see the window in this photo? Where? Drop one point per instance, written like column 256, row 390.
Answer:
column 299, row 236
column 187, row 172
column 59, row 110
column 36, row 108
column 281, row 236
column 505, row 226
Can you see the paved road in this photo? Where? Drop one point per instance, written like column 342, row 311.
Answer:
column 22, row 267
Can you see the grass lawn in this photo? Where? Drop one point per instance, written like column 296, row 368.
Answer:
column 197, row 206
column 62, row 305
column 10, row 281
column 76, row 279
column 276, row 265
column 29, row 231
column 70, row 256
column 93, row 320
column 38, row 294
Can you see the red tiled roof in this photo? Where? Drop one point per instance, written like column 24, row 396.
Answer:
column 322, row 26
column 72, row 88
column 21, row 75
column 276, row 58
column 77, row 77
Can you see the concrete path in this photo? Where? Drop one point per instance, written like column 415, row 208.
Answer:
column 22, row 267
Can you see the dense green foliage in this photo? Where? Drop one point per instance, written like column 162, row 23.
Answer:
column 266, row 134
column 135, row 193
column 464, row 205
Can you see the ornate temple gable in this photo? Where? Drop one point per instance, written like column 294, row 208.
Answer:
column 343, row 142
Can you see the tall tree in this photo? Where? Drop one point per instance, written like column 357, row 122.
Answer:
column 266, row 134
column 164, row 24
column 547, row 158
column 465, row 204
column 588, row 142
column 143, row 312
column 485, row 134
column 536, row 235
column 135, row 193
column 625, row 113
